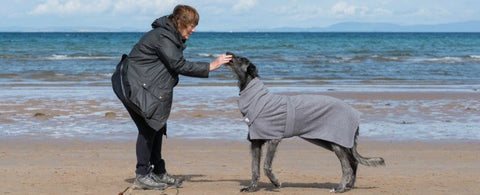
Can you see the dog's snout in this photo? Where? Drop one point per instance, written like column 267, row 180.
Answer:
column 233, row 56
column 230, row 53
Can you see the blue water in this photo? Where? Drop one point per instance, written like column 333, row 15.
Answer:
column 447, row 58
column 67, row 77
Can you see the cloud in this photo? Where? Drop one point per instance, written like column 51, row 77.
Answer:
column 293, row 11
column 86, row 7
column 430, row 13
column 243, row 5
column 157, row 7
column 342, row 9
column 382, row 11
column 56, row 7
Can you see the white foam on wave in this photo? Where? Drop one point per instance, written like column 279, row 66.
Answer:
column 209, row 55
column 475, row 57
column 441, row 59
column 446, row 59
column 68, row 57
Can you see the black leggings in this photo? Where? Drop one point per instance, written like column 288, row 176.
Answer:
column 149, row 146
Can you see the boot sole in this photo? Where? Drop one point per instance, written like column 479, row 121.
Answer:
column 146, row 187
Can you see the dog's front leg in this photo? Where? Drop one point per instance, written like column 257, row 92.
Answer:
column 256, row 150
column 271, row 150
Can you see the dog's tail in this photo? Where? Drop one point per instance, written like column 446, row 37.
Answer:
column 367, row 161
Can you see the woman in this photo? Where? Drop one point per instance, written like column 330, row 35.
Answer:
column 153, row 68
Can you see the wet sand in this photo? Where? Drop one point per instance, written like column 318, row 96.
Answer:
column 390, row 115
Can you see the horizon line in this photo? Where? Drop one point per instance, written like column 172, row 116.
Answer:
column 352, row 27
column 259, row 31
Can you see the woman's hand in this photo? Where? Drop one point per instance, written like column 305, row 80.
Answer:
column 223, row 59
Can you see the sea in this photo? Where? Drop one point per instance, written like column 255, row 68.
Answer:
column 57, row 84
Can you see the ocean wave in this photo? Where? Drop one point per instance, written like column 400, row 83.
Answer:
column 72, row 57
column 381, row 58
column 7, row 56
column 445, row 59
column 8, row 75
column 474, row 57
column 29, row 56
column 349, row 59
column 209, row 55
column 54, row 76
column 58, row 57
column 376, row 58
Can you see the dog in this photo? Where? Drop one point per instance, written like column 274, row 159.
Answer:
column 267, row 118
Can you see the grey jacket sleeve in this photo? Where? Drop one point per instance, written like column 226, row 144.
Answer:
column 173, row 59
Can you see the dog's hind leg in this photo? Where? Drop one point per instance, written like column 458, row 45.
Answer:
column 347, row 171
column 256, row 150
column 354, row 166
column 271, row 150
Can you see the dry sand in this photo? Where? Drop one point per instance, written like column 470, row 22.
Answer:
column 55, row 166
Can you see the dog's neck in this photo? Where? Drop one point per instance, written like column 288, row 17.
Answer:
column 243, row 83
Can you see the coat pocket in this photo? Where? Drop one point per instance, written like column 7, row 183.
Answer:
column 156, row 101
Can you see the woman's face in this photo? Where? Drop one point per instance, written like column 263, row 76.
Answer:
column 186, row 32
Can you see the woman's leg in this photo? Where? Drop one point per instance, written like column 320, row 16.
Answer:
column 145, row 143
column 144, row 148
column 156, row 156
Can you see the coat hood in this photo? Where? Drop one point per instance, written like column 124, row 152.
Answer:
column 167, row 25
column 163, row 22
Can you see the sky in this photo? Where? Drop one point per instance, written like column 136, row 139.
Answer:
column 228, row 15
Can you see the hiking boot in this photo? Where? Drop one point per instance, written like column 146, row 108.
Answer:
column 146, row 182
column 167, row 179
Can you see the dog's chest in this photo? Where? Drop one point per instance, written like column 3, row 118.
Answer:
column 265, row 113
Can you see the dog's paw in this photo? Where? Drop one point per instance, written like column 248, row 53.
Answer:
column 339, row 190
column 277, row 184
column 249, row 189
column 334, row 190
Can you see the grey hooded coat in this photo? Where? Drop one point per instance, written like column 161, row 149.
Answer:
column 154, row 64
column 271, row 116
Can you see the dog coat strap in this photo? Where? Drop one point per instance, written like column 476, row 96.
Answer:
column 289, row 127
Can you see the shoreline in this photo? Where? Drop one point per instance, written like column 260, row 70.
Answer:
column 57, row 166
column 195, row 114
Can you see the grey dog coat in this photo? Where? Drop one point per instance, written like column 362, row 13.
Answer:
column 272, row 116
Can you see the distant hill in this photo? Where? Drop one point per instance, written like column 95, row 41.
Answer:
column 471, row 26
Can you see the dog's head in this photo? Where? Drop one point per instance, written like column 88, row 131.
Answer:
column 243, row 69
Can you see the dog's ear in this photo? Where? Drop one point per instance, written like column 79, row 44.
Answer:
column 230, row 53
column 245, row 68
column 252, row 70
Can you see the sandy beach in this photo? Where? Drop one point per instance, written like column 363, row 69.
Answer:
column 55, row 166
column 93, row 161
